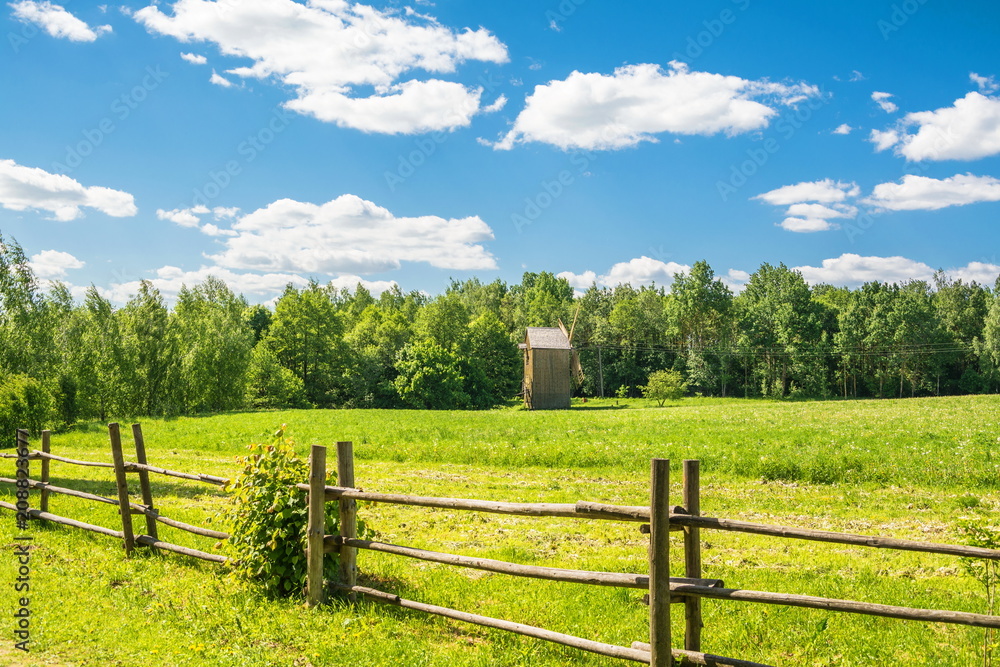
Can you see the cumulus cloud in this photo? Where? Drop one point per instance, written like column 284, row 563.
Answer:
column 843, row 129
column 825, row 192
column 967, row 130
column 329, row 51
column 194, row 58
column 219, row 80
column 922, row 193
column 53, row 264
column 169, row 280
column 636, row 272
column 351, row 235
column 23, row 188
column 191, row 217
column 56, row 21
column 986, row 84
column 813, row 204
column 983, row 273
column 852, row 270
column 594, row 111
column 882, row 100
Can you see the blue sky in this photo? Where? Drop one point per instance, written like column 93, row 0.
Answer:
column 272, row 141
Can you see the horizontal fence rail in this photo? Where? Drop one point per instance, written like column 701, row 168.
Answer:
column 658, row 519
column 685, row 520
column 126, row 508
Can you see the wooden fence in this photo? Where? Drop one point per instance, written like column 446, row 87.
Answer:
column 658, row 520
column 126, row 508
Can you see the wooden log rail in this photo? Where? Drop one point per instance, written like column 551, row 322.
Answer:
column 683, row 520
column 849, row 606
column 126, row 508
column 135, row 508
column 620, row 580
column 566, row 510
column 638, row 652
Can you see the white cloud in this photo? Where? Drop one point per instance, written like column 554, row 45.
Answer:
column 852, row 270
column 636, row 102
column 191, row 217
column 330, row 50
column 857, row 76
column 980, row 272
column 56, row 21
column 807, row 225
column 169, row 280
column 580, row 281
column 219, row 80
column 884, row 139
column 194, row 58
column 986, row 84
column 843, row 129
column 351, row 235
column 882, row 100
column 636, row 272
column 826, row 191
column 812, row 204
column 23, row 188
column 967, row 130
column 921, row 193
column 53, row 264
column 735, row 279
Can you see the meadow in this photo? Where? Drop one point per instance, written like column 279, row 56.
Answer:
column 916, row 468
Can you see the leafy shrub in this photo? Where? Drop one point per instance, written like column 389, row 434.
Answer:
column 268, row 516
column 24, row 403
column 665, row 386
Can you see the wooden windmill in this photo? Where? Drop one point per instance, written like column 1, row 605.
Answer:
column 551, row 367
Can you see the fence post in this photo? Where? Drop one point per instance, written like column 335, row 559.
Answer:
column 147, row 491
column 124, row 507
column 692, row 555
column 659, row 564
column 316, row 530
column 348, row 516
column 43, row 504
column 23, row 472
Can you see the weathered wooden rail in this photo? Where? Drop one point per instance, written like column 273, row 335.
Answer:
column 658, row 520
column 126, row 508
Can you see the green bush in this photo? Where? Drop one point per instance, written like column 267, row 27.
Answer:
column 267, row 519
column 665, row 386
column 24, row 403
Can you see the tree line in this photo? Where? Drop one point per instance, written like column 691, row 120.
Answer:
column 63, row 361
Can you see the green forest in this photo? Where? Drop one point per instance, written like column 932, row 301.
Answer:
column 63, row 361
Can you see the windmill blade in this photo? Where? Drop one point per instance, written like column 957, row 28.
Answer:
column 562, row 327
column 576, row 369
column 572, row 327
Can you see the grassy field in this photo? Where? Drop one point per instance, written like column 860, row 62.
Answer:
column 915, row 469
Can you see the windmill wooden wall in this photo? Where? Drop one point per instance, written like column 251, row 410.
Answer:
column 547, row 368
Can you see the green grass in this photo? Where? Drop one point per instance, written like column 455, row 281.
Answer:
column 911, row 468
